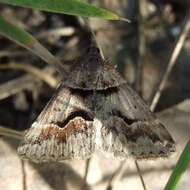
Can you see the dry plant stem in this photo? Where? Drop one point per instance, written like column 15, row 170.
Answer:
column 58, row 32
column 134, row 173
column 26, row 82
column 11, row 53
column 47, row 78
column 115, row 178
column 118, row 174
column 23, row 174
column 141, row 44
column 141, row 54
column 88, row 161
column 87, row 166
column 140, row 175
column 172, row 61
column 11, row 133
column 176, row 50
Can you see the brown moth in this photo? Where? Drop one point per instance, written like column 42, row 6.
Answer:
column 94, row 109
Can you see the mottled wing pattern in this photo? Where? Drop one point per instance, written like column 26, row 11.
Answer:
column 93, row 73
column 94, row 109
column 129, row 128
column 63, row 130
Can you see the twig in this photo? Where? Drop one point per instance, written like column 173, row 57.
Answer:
column 47, row 78
column 116, row 176
column 26, row 82
column 134, row 173
column 119, row 173
column 63, row 31
column 172, row 61
column 23, row 174
column 141, row 44
column 176, row 50
column 140, row 61
column 140, row 175
column 11, row 53
column 11, row 133
column 88, row 161
column 87, row 168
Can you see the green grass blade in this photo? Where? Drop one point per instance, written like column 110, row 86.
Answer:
column 15, row 33
column 70, row 7
column 180, row 168
column 26, row 40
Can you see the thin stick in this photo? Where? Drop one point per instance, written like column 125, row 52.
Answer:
column 87, row 166
column 172, row 61
column 141, row 45
column 47, row 78
column 11, row 133
column 140, row 61
column 58, row 32
column 88, row 161
column 140, row 175
column 134, row 173
column 26, row 82
column 175, row 53
column 12, row 53
column 14, row 86
column 116, row 176
column 23, row 174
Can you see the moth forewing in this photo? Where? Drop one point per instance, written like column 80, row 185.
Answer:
column 95, row 109
column 138, row 140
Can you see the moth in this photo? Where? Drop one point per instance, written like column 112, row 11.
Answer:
column 95, row 110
